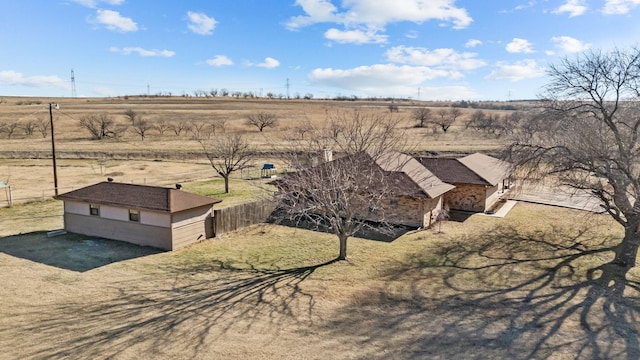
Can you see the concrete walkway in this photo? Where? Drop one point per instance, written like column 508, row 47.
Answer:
column 504, row 209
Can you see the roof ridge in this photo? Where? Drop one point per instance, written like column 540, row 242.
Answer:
column 418, row 173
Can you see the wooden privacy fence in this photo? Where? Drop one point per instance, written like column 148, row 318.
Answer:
column 243, row 215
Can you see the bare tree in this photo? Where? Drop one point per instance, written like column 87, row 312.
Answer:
column 422, row 115
column 201, row 129
column 338, row 196
column 43, row 126
column 132, row 115
column 178, row 127
column 219, row 124
column 9, row 127
column 227, row 154
column 142, row 127
column 99, row 126
column 262, row 120
column 29, row 127
column 446, row 118
column 587, row 136
column 161, row 126
column 366, row 132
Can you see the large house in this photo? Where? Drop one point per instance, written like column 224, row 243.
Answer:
column 413, row 194
column 480, row 180
column 165, row 218
column 423, row 186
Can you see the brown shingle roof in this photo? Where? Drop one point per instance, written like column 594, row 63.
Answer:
column 138, row 197
column 452, row 171
column 477, row 169
column 489, row 168
column 427, row 181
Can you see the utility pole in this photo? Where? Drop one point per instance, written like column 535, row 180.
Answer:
column 53, row 148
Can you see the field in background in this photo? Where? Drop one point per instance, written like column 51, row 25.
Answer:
column 168, row 159
column 74, row 142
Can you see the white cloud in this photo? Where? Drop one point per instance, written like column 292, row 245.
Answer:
column 573, row 7
column 519, row 46
column 268, row 63
column 448, row 93
column 143, row 52
column 473, row 43
column 376, row 14
column 15, row 78
column 355, row 36
column 442, row 58
column 219, row 60
column 94, row 3
column 569, row 44
column 375, row 76
column 114, row 21
column 390, row 80
column 200, row 23
column 412, row 34
column 617, row 7
column 318, row 11
column 526, row 69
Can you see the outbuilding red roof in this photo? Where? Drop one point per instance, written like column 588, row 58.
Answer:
column 143, row 197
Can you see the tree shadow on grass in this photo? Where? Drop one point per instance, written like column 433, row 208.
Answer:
column 503, row 294
column 71, row 251
column 184, row 317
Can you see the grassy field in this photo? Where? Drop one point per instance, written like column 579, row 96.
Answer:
column 531, row 285
column 74, row 142
column 515, row 287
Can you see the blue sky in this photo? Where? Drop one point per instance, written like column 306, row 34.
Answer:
column 420, row 49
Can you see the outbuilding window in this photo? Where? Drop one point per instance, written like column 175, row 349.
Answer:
column 134, row 215
column 94, row 210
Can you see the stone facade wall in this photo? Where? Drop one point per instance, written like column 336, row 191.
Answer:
column 466, row 197
column 411, row 211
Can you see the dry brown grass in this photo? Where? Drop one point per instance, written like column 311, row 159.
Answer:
column 519, row 287
column 485, row 288
column 73, row 141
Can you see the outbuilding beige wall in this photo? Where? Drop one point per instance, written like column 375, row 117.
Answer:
column 157, row 229
column 129, row 231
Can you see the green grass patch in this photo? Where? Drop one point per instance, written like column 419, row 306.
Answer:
column 240, row 190
column 486, row 250
column 29, row 217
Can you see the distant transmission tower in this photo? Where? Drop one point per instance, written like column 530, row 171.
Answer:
column 288, row 88
column 73, row 85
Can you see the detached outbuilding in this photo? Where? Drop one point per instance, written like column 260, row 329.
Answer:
column 165, row 218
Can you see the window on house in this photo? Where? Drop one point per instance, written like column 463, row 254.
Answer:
column 94, row 210
column 134, row 215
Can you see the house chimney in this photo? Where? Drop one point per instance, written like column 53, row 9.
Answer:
column 110, row 179
column 327, row 155
column 178, row 186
